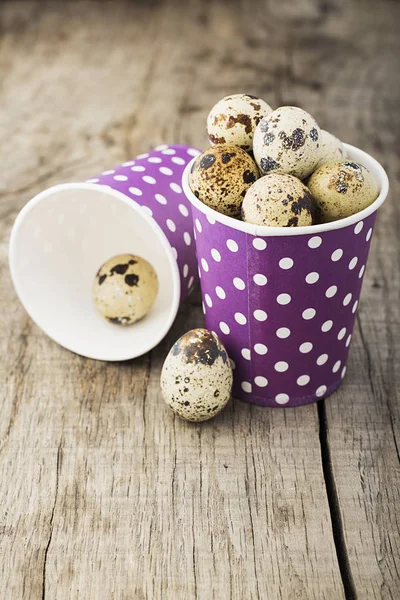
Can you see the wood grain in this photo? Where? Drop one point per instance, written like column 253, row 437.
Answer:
column 103, row 492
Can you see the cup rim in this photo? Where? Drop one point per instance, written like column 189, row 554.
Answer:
column 45, row 195
column 266, row 231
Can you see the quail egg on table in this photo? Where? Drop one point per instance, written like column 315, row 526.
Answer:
column 125, row 289
column 196, row 379
column 234, row 118
column 278, row 200
column 331, row 149
column 341, row 189
column 221, row 176
column 287, row 141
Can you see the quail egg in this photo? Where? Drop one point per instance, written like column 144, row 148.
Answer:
column 341, row 189
column 278, row 200
column 234, row 118
column 196, row 379
column 221, row 176
column 125, row 289
column 287, row 141
column 331, row 149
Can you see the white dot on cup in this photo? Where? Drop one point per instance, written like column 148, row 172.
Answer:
column 260, row 349
column 204, row 264
column 161, row 199
column 208, row 300
column 331, row 291
column 232, row 245
column 216, row 255
column 239, row 283
column 321, row 360
column 220, row 292
column 260, row 279
column 314, row 242
column 353, row 263
column 246, row 386
column 281, row 366
column 261, row 381
column 166, row 171
column 135, row 191
column 186, row 238
column 321, row 391
column 327, row 326
column 246, row 353
column 337, row 255
column 336, row 366
column 305, row 347
column 358, row 227
column 309, row 313
column 177, row 160
column 259, row 244
column 185, row 270
column 312, row 277
column 149, row 179
column 303, row 380
column 347, row 299
column 283, row 332
column 224, row 328
column 240, row 318
column 283, row 299
column 260, row 315
column 171, row 225
column 341, row 333
column 281, row 398
column 183, row 210
column 286, row 263
column 175, row 187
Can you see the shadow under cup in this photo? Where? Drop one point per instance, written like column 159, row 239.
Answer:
column 284, row 300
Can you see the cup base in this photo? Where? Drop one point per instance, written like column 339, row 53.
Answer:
column 282, row 402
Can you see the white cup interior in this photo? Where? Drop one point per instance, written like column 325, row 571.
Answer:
column 59, row 241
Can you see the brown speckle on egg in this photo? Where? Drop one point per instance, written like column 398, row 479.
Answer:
column 124, row 289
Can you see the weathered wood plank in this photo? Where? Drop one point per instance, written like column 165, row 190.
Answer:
column 108, row 494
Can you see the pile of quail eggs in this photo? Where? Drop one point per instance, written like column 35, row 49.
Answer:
column 277, row 167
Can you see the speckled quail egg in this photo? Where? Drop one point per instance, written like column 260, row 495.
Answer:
column 287, row 141
column 125, row 289
column 331, row 149
column 221, row 176
column 196, row 379
column 234, row 118
column 278, row 200
column 341, row 189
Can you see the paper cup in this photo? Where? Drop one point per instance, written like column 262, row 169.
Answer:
column 63, row 235
column 284, row 300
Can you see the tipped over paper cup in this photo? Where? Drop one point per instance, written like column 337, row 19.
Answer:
column 64, row 234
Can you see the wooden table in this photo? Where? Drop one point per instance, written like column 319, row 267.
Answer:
column 103, row 492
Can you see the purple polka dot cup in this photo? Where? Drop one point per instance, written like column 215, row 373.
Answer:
column 284, row 300
column 64, row 234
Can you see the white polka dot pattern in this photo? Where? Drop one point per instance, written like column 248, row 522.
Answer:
column 284, row 306
column 153, row 181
